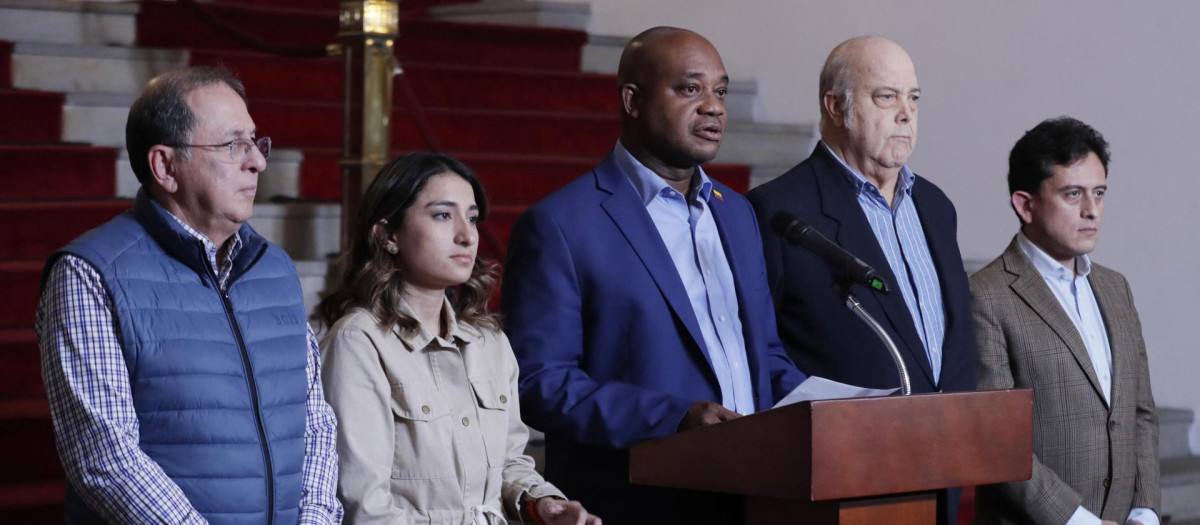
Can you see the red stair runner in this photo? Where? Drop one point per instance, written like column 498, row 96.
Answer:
column 33, row 230
column 435, row 84
column 30, row 116
column 331, row 6
column 421, row 39
column 6, row 49
column 20, row 281
column 22, row 365
column 307, row 124
column 57, row 172
column 26, row 432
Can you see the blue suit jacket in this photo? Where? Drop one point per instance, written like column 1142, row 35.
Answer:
column 821, row 334
column 609, row 348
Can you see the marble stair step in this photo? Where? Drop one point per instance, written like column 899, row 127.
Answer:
column 1180, row 482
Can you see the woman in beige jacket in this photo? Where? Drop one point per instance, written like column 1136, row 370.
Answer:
column 423, row 381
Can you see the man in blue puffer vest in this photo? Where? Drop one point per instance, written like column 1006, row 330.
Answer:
column 181, row 373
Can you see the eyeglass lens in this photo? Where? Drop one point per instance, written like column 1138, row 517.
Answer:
column 239, row 150
column 264, row 146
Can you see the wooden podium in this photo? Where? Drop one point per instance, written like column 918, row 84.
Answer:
column 850, row 461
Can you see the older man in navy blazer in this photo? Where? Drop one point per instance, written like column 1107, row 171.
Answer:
column 636, row 297
column 857, row 190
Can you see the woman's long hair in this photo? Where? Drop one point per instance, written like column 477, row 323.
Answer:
column 371, row 278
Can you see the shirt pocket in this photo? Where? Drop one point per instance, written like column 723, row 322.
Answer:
column 422, row 433
column 494, row 397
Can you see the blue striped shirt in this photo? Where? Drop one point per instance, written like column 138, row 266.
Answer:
column 688, row 230
column 96, row 425
column 902, row 238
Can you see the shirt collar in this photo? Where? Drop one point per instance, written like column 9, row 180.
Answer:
column 210, row 248
column 649, row 184
column 1047, row 266
column 904, row 183
column 421, row 338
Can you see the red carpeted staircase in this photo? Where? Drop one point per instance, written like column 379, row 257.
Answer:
column 49, row 193
column 509, row 101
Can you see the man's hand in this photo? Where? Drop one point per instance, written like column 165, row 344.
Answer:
column 558, row 512
column 705, row 413
column 1106, row 522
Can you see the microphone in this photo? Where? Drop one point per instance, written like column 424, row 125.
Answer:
column 844, row 264
column 849, row 268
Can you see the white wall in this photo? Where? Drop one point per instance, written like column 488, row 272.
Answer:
column 988, row 72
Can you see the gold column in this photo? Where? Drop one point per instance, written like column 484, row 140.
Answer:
column 367, row 30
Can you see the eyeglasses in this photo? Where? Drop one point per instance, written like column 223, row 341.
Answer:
column 237, row 150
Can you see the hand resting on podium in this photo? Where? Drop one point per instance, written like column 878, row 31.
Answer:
column 705, row 413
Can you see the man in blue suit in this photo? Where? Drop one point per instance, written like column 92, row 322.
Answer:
column 636, row 297
column 857, row 190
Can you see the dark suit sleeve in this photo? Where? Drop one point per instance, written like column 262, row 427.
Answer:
column 1146, row 490
column 1046, row 498
column 544, row 313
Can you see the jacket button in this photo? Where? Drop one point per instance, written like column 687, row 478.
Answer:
column 467, row 422
column 424, row 409
column 503, row 398
column 1107, row 482
column 1112, row 425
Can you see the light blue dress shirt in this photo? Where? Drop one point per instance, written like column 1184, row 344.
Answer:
column 688, row 230
column 902, row 238
column 1074, row 293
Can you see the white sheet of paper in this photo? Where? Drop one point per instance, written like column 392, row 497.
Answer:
column 817, row 388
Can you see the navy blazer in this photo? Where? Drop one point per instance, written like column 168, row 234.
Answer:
column 823, row 336
column 608, row 345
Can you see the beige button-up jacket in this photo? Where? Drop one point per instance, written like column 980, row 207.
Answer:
column 428, row 427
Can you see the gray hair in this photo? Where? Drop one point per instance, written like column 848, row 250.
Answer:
column 161, row 114
column 837, row 79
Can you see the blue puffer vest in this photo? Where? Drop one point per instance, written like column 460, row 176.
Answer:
column 218, row 380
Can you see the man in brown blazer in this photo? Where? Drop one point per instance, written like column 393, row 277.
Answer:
column 1048, row 318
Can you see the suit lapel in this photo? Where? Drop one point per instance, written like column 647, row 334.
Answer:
column 1031, row 288
column 947, row 260
column 732, row 244
column 854, row 233
column 1110, row 298
column 629, row 214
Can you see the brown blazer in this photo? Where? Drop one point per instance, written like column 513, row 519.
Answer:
column 1085, row 452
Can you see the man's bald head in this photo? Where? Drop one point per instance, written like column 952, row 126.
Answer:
column 645, row 50
column 849, row 62
column 650, row 52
